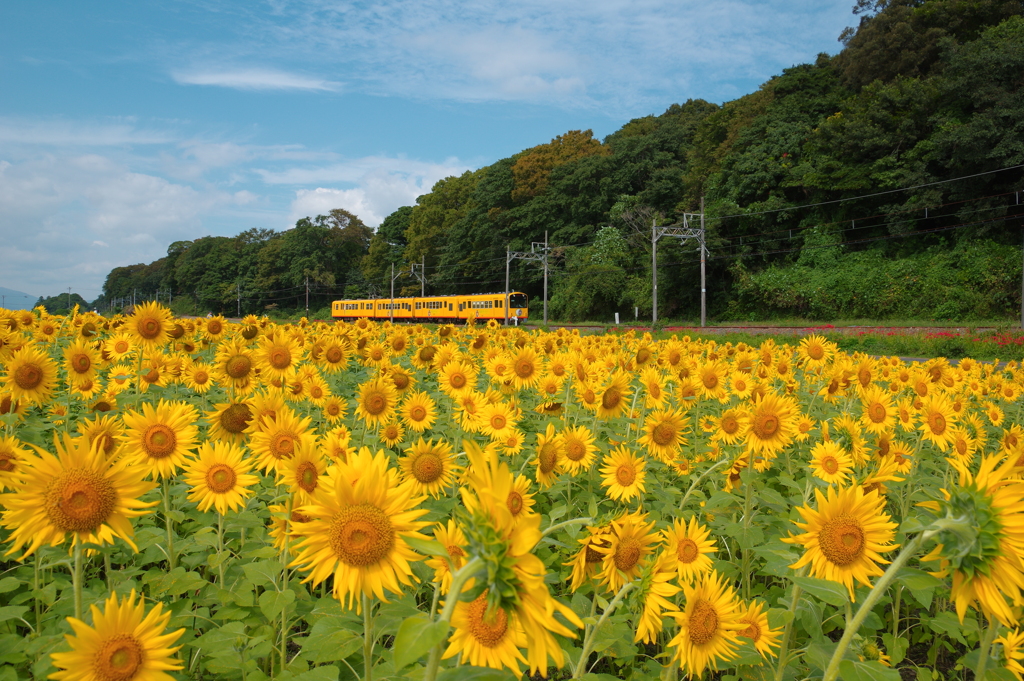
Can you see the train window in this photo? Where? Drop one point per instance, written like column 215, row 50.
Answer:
column 499, row 303
column 450, row 307
column 517, row 300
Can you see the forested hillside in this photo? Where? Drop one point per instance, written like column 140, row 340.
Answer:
column 881, row 182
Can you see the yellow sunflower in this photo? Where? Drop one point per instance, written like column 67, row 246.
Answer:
column 586, row 563
column 497, row 420
column 845, row 536
column 760, row 633
column 1013, row 652
column 937, row 420
column 816, row 351
column 391, row 434
column 81, row 361
column 429, row 467
column 690, row 546
column 831, row 463
column 12, row 456
column 417, row 411
column 663, row 433
column 527, row 368
column 278, row 354
column 578, row 444
column 160, row 437
column 454, row 542
column 278, row 439
column 612, row 401
column 124, row 643
column 630, row 542
column 150, row 326
column 487, row 637
column 729, row 426
column 105, row 429
column 219, row 476
column 229, row 421
column 303, row 472
column 550, row 456
column 709, row 625
column 772, row 424
column 78, row 491
column 879, row 411
column 357, row 530
column 31, row 375
column 654, row 592
column 377, row 400
column 623, row 474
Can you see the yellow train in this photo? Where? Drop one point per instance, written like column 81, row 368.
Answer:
column 440, row 309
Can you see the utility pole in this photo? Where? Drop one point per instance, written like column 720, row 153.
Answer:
column 391, row 303
column 421, row 275
column 538, row 253
column 684, row 232
column 238, row 293
column 307, row 296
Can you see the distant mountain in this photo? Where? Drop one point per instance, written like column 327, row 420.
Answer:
column 16, row 300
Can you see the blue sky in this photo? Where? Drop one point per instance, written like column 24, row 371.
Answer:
column 125, row 126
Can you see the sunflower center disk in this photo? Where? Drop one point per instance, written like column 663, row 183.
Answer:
column 427, row 468
column 753, row 632
column 514, row 502
column 417, row 413
column 375, row 404
column 118, row 659
column 548, row 457
column 220, row 478
column 235, row 418
column 766, row 425
column 703, row 622
column 524, row 369
column 628, row 554
column 489, row 631
column 28, row 376
column 280, row 358
column 574, row 450
column 159, row 441
column 841, row 540
column 611, row 398
column 149, row 328
column 938, row 423
column 283, row 446
column 876, row 412
column 710, row 381
column 687, row 551
column 625, row 475
column 361, row 535
column 334, row 354
column 729, row 425
column 830, row 465
column 79, row 500
column 81, row 363
column 307, row 476
column 664, row 434
column 238, row 366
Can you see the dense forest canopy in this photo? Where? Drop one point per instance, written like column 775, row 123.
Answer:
column 881, row 182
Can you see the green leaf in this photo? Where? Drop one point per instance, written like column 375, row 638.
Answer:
column 9, row 584
column 856, row 670
column 273, row 603
column 824, row 590
column 324, row 673
column 896, row 647
column 12, row 612
column 221, row 641
column 263, row 572
column 719, row 499
column 469, row 673
column 415, row 637
column 331, row 639
column 818, row 654
column 427, row 547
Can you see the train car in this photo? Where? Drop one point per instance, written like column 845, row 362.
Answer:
column 440, row 309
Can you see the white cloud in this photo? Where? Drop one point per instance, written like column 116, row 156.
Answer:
column 64, row 133
column 380, row 188
column 254, row 79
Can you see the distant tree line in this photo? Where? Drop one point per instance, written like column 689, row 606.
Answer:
column 882, row 181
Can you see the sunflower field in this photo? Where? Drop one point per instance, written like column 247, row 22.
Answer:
column 202, row 499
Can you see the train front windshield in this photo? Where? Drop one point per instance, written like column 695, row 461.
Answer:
column 517, row 300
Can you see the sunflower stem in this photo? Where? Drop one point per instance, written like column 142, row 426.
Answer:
column 876, row 593
column 588, row 642
column 985, row 650
column 748, row 502
column 697, row 481
column 566, row 523
column 108, row 570
column 367, row 641
column 220, row 549
column 35, row 589
column 284, row 584
column 784, row 645
column 170, row 525
column 459, row 579
column 76, row 580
